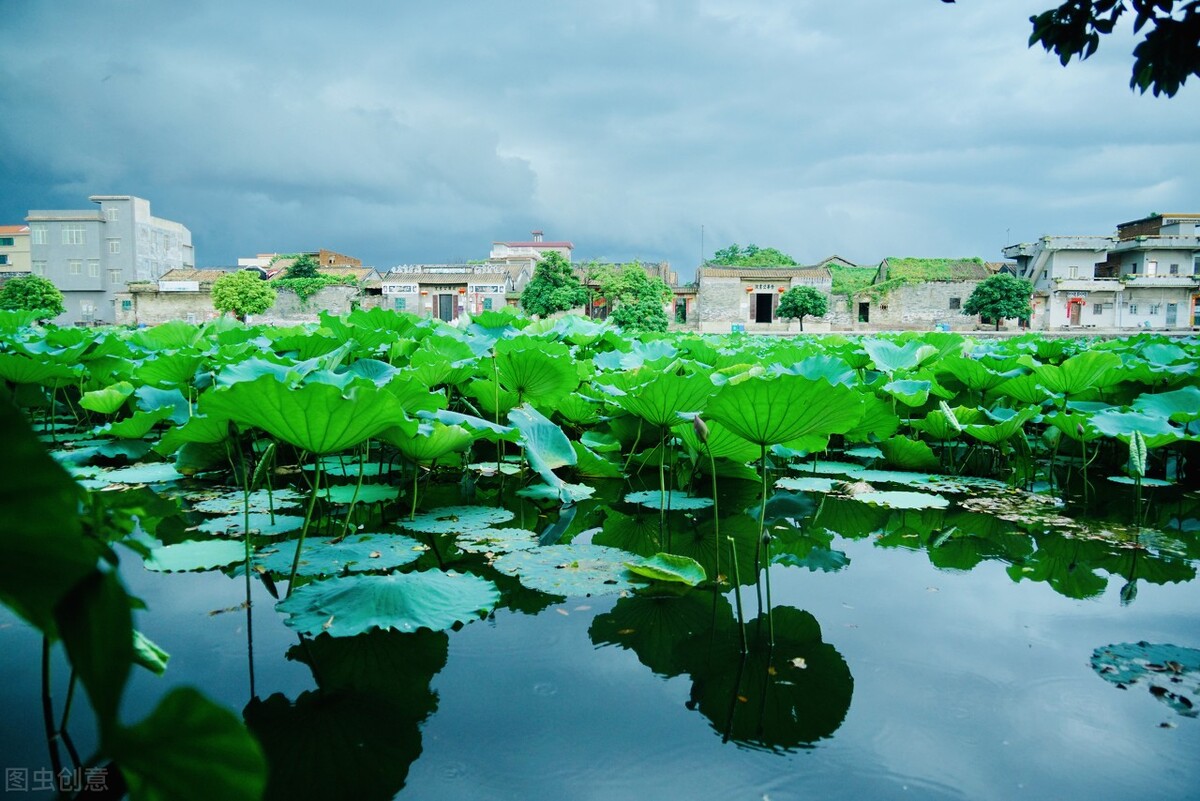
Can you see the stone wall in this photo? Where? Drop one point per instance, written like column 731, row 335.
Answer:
column 148, row 306
column 920, row 307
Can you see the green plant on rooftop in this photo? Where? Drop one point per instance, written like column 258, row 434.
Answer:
column 898, row 272
column 305, row 266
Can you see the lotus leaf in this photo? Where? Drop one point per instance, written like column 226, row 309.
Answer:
column 1172, row 671
column 592, row 465
column 546, row 446
column 1180, row 406
column 879, row 421
column 773, row 411
column 903, row 500
column 537, row 371
column 908, row 454
column 669, row 568
column 148, row 473
column 427, row 442
column 1155, row 430
column 569, row 569
column 806, row 484
column 672, row 499
column 892, row 358
column 368, row 493
column 23, row 370
column 258, row 501
column 136, row 426
column 497, row 540
column 350, row 605
column 329, row 556
column 456, row 519
column 1090, row 370
column 168, row 370
column 195, row 555
column 261, row 523
column 994, row 434
column 666, row 396
column 908, row 391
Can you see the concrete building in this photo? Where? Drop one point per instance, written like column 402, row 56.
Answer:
column 518, row 260
column 277, row 261
column 14, row 249
column 91, row 255
column 746, row 298
column 1144, row 277
column 919, row 294
column 446, row 290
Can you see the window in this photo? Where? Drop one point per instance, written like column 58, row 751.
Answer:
column 1133, row 308
column 191, row 318
column 6, row 241
column 112, row 215
column 1155, row 308
column 37, row 234
column 114, row 246
column 1072, row 271
column 114, row 277
column 401, row 303
column 3, row 258
column 87, row 311
column 487, row 304
column 39, row 268
column 126, row 305
column 1151, row 268
column 955, row 303
column 75, row 267
column 1173, row 269
column 1098, row 309
column 93, row 268
column 74, row 234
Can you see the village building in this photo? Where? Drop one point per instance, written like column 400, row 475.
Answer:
column 733, row 298
column 1144, row 277
column 914, row 294
column 14, row 250
column 446, row 291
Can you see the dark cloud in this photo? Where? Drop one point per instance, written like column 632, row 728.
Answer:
column 412, row 132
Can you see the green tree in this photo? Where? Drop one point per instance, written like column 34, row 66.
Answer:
column 1003, row 295
column 553, row 288
column 752, row 256
column 1168, row 53
column 635, row 297
column 800, row 301
column 32, row 293
column 305, row 266
column 243, row 292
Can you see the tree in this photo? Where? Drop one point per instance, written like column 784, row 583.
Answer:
column 1003, row 295
column 553, row 288
column 638, row 298
column 32, row 293
column 243, row 292
column 305, row 266
column 1168, row 53
column 800, row 301
column 752, row 256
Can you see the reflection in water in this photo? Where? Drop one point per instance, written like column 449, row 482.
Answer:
column 1172, row 673
column 356, row 735
column 775, row 699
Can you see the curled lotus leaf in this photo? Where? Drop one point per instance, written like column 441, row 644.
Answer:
column 670, row 568
column 350, row 605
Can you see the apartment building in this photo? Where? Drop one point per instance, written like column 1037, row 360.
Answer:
column 14, row 249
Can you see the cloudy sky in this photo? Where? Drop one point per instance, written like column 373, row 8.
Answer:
column 405, row 132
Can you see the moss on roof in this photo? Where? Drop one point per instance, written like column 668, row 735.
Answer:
column 898, row 272
column 850, row 281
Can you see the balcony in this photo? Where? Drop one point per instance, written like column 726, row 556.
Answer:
column 1159, row 281
column 1087, row 285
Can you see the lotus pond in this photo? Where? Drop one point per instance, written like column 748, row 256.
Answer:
column 386, row 557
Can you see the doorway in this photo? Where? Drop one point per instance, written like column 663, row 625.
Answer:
column 1172, row 314
column 445, row 307
column 1075, row 312
column 864, row 312
column 764, row 305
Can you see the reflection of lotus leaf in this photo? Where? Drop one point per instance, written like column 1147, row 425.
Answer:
column 1172, row 672
column 261, row 523
column 1146, row 482
column 497, row 540
column 903, row 500
column 674, row 500
column 451, row 519
column 656, row 626
column 349, row 605
column 569, row 569
column 358, row 553
column 195, row 555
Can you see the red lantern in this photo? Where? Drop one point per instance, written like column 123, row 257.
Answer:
column 749, row 289
column 462, row 290
column 782, row 290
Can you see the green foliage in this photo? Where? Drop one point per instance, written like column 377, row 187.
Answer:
column 638, row 298
column 243, row 292
column 1000, row 296
column 32, row 293
column 305, row 266
column 752, row 256
column 307, row 286
column 1168, row 53
column 910, row 271
column 553, row 288
column 801, row 301
column 849, row 281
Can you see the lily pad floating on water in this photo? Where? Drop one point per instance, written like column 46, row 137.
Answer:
column 350, row 605
column 150, row 473
column 903, row 500
column 497, row 540
column 261, row 523
column 195, row 555
column 259, row 501
column 673, row 499
column 451, row 519
column 806, row 484
column 1171, row 671
column 345, row 494
column 1146, row 482
column 328, row 556
column 569, row 569
column 350, row 468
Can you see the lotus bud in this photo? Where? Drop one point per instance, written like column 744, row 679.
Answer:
column 700, row 428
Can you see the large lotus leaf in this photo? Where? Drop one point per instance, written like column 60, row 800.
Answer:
column 1025, row 389
column 19, row 369
column 189, row 749
column 317, row 418
column 891, row 358
column 1076, row 425
column 350, row 605
column 368, row 493
column 484, row 428
column 722, row 443
column 1093, row 369
column 591, row 465
column 427, row 442
column 879, row 421
column 168, row 336
column 672, row 499
column 375, row 371
column 908, row 391
column 332, row 556
column 414, row 395
column 257, row 501
column 151, row 398
column 539, row 372
column 148, row 473
column 831, row 368
column 669, row 568
column 494, row 400
column 569, row 569
column 458, row 519
column 1180, row 406
column 999, row 432
column 108, row 400
column 578, row 410
column 661, row 400
column 195, row 555
column 168, row 369
column 972, row 373
column 1154, row 429
column 908, row 454
column 136, row 426
column 198, row 429
column 773, row 411
column 497, row 540
column 546, row 446
column 264, row 524
column 940, row 424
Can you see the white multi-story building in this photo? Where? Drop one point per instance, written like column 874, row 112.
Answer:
column 1144, row 277
column 91, row 255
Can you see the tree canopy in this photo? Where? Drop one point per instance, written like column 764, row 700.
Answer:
column 1167, row 54
column 553, row 288
column 32, row 293
column 801, row 301
column 243, row 292
column 305, row 266
column 637, row 297
column 751, row 256
column 1003, row 295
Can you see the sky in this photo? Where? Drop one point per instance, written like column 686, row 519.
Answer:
column 419, row 132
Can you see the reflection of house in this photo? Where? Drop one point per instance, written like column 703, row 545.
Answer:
column 919, row 294
column 445, row 290
column 14, row 249
column 90, row 255
column 1144, row 277
column 729, row 296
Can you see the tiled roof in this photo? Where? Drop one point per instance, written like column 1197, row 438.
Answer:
column 184, row 274
column 778, row 273
column 14, row 229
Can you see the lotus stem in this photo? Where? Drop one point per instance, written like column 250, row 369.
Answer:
column 312, row 503
column 357, row 488
column 636, row 441
column 762, row 516
column 712, row 470
column 48, row 709
column 737, row 592
column 412, row 513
